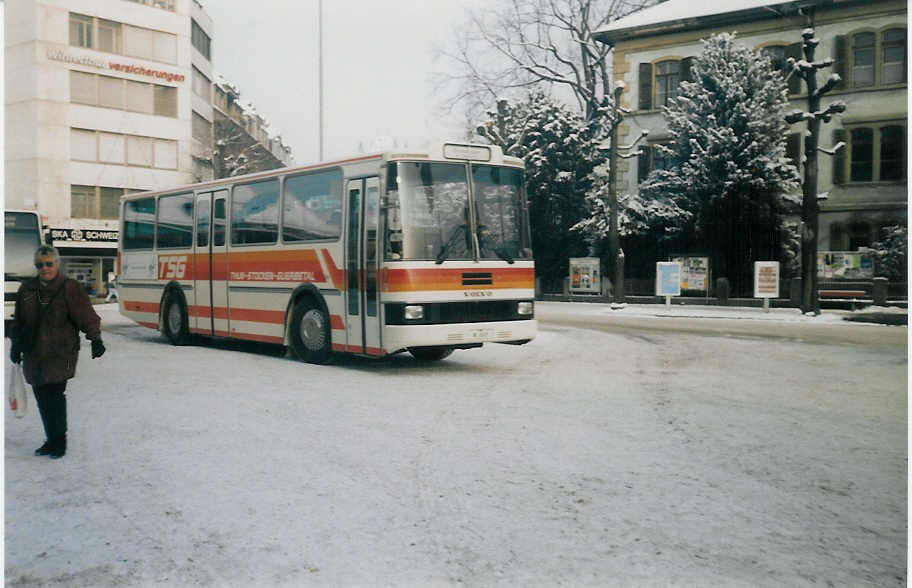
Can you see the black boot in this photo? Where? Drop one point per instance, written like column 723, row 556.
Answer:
column 58, row 448
column 44, row 449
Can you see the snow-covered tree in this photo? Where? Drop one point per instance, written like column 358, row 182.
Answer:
column 730, row 174
column 560, row 154
column 891, row 253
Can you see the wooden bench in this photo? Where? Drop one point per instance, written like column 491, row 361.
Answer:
column 850, row 296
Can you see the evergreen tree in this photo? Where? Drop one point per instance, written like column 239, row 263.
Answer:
column 731, row 175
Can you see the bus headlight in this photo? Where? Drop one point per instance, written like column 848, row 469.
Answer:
column 414, row 312
column 524, row 308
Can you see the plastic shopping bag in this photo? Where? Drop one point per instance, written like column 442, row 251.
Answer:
column 15, row 389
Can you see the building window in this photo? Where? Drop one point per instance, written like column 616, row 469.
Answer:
column 163, row 4
column 666, row 81
column 866, row 59
column 120, row 94
column 893, row 62
column 82, row 30
column 892, row 153
column 112, row 148
column 862, row 165
column 874, row 154
column 202, row 86
column 862, row 60
column 202, row 129
column 149, row 44
column 97, row 202
column 110, row 36
column 200, row 39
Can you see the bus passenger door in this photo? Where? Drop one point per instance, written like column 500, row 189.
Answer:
column 362, row 304
column 219, row 308
column 201, row 310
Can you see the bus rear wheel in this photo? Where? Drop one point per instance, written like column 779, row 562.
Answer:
column 174, row 320
column 430, row 353
column 310, row 335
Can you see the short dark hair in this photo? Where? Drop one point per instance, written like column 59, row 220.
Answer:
column 47, row 251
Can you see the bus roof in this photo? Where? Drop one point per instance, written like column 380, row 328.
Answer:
column 462, row 152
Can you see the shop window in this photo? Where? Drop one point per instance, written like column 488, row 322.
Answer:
column 139, row 224
column 96, row 202
column 255, row 213
column 312, row 206
column 82, row 30
column 893, row 62
column 175, row 221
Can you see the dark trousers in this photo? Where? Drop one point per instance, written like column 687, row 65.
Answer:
column 52, row 406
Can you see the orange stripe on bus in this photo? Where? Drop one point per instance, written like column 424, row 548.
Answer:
column 137, row 306
column 410, row 280
column 336, row 323
column 335, row 274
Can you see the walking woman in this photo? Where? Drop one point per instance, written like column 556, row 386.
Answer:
column 50, row 311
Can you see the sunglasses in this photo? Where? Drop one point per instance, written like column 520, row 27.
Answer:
column 45, row 264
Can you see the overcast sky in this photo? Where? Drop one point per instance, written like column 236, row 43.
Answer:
column 378, row 61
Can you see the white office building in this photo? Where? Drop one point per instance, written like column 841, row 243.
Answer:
column 102, row 98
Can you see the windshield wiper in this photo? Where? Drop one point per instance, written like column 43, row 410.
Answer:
column 441, row 257
column 502, row 253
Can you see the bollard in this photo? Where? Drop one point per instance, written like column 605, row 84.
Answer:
column 723, row 289
column 880, row 291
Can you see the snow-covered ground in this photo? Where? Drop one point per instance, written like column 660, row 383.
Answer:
column 585, row 458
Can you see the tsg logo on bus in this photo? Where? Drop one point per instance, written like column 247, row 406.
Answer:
column 172, row 267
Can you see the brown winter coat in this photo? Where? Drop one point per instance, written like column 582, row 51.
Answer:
column 52, row 356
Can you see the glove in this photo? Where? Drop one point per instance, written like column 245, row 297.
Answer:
column 15, row 354
column 98, row 349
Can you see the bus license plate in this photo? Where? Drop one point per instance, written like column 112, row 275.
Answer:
column 481, row 334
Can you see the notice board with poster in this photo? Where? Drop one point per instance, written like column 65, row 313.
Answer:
column 850, row 265
column 584, row 275
column 694, row 272
column 766, row 279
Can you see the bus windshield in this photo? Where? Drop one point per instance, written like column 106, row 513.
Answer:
column 21, row 238
column 428, row 213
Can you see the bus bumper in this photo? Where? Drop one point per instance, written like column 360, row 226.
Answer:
column 405, row 336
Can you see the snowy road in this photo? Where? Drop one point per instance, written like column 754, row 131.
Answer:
column 586, row 458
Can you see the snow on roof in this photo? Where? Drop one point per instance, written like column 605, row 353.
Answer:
column 674, row 10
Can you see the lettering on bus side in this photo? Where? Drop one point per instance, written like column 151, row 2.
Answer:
column 172, row 267
column 478, row 293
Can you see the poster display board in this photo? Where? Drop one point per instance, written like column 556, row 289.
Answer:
column 585, row 276
column 694, row 272
column 852, row 265
column 766, row 279
column 668, row 278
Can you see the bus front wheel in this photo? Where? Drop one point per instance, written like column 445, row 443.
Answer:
column 174, row 320
column 430, row 353
column 310, row 335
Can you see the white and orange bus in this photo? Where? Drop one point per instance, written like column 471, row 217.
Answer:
column 373, row 255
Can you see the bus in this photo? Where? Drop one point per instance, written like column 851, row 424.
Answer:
column 370, row 256
column 22, row 236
